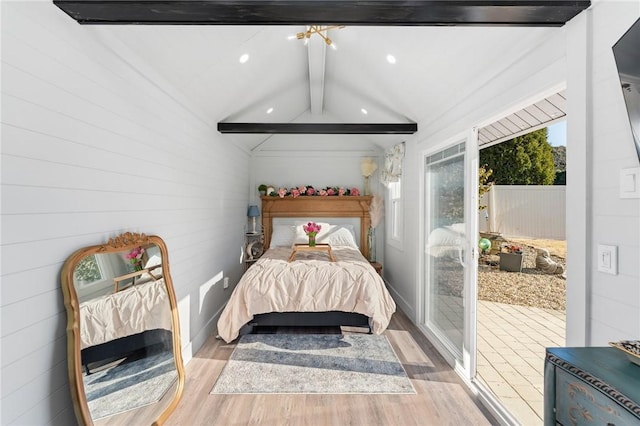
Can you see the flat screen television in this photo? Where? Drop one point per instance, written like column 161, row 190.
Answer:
column 627, row 55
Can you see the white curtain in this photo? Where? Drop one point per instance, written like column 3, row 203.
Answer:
column 393, row 159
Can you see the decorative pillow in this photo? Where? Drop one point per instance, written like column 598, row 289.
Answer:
column 340, row 235
column 282, row 236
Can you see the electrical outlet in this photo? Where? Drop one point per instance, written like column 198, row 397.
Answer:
column 225, row 282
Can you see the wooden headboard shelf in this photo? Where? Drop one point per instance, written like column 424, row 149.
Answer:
column 317, row 206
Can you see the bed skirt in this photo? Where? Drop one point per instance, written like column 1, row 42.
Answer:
column 307, row 319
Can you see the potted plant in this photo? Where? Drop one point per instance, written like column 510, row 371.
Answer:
column 511, row 258
column 262, row 189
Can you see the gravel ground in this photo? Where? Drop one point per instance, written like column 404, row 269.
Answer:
column 530, row 287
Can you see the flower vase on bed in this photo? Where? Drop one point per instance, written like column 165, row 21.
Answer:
column 134, row 257
column 312, row 229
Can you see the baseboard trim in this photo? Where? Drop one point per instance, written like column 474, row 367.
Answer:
column 190, row 349
column 404, row 306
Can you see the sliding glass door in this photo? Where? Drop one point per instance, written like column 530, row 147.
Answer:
column 448, row 289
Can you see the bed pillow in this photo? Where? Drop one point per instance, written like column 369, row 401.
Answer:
column 446, row 235
column 282, row 236
column 340, row 236
column 446, row 240
column 154, row 260
column 334, row 235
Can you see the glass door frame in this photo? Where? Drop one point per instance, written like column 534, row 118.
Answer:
column 464, row 363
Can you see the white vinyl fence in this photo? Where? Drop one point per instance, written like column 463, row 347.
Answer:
column 524, row 211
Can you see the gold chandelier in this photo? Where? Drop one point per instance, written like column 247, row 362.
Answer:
column 321, row 31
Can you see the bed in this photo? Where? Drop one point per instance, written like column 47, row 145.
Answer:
column 310, row 290
column 123, row 322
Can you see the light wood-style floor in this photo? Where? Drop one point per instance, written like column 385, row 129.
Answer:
column 441, row 399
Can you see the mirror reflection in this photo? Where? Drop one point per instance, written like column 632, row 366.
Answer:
column 126, row 369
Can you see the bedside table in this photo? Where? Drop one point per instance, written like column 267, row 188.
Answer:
column 253, row 247
column 377, row 266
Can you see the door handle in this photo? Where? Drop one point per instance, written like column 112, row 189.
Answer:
column 459, row 243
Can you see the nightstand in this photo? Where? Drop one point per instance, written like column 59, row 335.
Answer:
column 253, row 248
column 377, row 266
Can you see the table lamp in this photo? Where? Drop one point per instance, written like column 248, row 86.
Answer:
column 253, row 213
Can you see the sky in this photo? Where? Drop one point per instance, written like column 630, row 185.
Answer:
column 557, row 134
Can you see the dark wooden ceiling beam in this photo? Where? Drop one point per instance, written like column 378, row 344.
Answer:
column 349, row 12
column 321, row 128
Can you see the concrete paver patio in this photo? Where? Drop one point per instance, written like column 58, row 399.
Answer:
column 511, row 351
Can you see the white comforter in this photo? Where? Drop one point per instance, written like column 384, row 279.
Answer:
column 127, row 312
column 310, row 283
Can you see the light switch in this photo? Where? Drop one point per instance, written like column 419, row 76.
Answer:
column 607, row 259
column 630, row 183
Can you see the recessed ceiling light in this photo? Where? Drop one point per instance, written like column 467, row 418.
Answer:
column 364, row 111
column 244, row 58
column 391, row 59
column 270, row 110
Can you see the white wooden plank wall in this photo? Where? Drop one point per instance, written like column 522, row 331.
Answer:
column 529, row 211
column 90, row 148
column 615, row 299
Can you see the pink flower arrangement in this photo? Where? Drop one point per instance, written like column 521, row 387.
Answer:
column 310, row 191
column 312, row 230
column 135, row 258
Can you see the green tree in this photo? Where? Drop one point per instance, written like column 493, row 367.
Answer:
column 560, row 161
column 524, row 160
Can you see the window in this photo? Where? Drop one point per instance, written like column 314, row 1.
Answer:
column 88, row 271
column 93, row 277
column 391, row 177
column 395, row 214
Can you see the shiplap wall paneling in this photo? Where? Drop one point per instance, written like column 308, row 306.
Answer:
column 91, row 147
column 615, row 299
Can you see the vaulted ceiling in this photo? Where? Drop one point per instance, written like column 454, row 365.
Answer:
column 435, row 68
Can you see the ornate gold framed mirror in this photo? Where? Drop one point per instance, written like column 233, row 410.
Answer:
column 123, row 334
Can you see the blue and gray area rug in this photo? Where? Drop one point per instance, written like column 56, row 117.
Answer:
column 313, row 363
column 129, row 384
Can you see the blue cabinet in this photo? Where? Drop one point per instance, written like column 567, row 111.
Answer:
column 590, row 386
